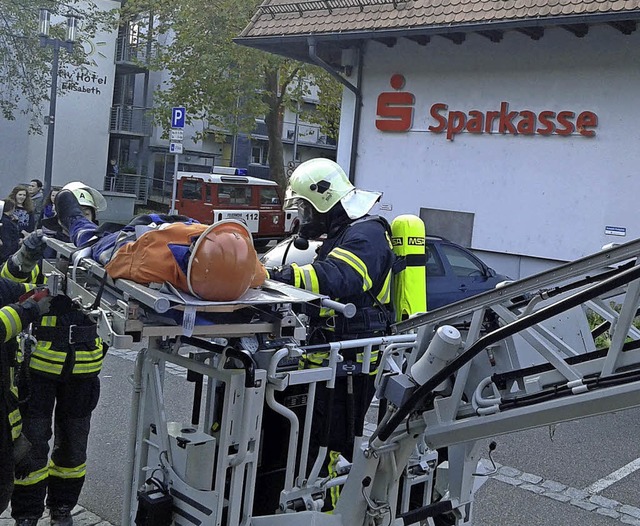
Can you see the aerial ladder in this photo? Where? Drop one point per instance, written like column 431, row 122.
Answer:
column 520, row 356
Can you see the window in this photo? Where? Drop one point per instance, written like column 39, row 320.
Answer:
column 260, row 153
column 461, row 264
column 269, row 196
column 191, row 189
column 434, row 265
column 235, row 195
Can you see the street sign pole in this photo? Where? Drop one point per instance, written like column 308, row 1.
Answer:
column 178, row 116
column 175, row 184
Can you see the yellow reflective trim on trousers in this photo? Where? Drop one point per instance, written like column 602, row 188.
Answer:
column 355, row 263
column 86, row 368
column 334, row 491
column 43, row 355
column 316, row 359
column 92, row 357
column 45, row 367
column 46, row 359
column 67, row 473
column 34, row 477
column 11, row 321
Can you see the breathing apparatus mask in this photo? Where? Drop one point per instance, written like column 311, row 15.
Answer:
column 313, row 224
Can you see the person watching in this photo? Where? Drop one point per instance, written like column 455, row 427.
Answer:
column 9, row 232
column 48, row 208
column 24, row 209
column 37, row 197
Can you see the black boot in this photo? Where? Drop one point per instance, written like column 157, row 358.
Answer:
column 67, row 209
column 26, row 522
column 61, row 516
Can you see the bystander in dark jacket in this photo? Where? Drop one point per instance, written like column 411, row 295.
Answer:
column 9, row 232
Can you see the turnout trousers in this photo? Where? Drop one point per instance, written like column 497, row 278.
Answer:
column 67, row 405
column 6, row 454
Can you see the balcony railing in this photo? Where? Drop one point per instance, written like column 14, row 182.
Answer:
column 139, row 53
column 308, row 134
column 129, row 184
column 130, row 119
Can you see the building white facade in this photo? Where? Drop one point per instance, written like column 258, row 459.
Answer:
column 509, row 127
column 548, row 197
column 81, row 125
column 103, row 114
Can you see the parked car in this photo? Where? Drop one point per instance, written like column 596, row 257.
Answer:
column 453, row 272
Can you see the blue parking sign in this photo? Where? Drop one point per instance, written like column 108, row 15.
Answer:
column 177, row 117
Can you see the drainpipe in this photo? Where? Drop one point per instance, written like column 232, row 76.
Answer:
column 354, row 89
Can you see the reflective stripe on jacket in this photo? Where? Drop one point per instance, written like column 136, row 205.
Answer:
column 59, row 356
column 351, row 265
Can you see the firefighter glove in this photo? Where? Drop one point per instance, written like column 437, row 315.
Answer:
column 39, row 303
column 283, row 274
column 30, row 252
column 24, row 467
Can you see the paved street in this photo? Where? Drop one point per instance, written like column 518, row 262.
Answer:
column 578, row 473
column 582, row 472
column 81, row 517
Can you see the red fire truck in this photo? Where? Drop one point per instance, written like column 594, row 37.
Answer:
column 229, row 193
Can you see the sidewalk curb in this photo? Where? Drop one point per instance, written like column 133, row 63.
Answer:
column 81, row 517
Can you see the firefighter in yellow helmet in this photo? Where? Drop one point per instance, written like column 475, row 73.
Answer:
column 353, row 265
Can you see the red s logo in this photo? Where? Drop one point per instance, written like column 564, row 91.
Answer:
column 395, row 108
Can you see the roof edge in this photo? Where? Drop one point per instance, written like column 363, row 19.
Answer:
column 590, row 18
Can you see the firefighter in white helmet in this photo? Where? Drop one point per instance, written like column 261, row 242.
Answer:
column 353, row 265
column 90, row 200
column 62, row 389
column 215, row 262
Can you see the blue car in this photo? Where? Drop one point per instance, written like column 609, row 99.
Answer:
column 453, row 272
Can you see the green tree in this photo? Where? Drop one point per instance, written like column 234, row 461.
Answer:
column 225, row 85
column 25, row 67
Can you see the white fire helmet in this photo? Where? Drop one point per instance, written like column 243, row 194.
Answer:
column 87, row 196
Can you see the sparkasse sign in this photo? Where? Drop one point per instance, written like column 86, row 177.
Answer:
column 395, row 112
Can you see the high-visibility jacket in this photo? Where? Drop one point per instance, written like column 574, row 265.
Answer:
column 67, row 340
column 13, row 318
column 353, row 265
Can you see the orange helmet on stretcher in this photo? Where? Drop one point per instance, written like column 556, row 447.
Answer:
column 223, row 263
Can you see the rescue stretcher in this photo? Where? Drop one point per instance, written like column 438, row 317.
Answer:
column 520, row 356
